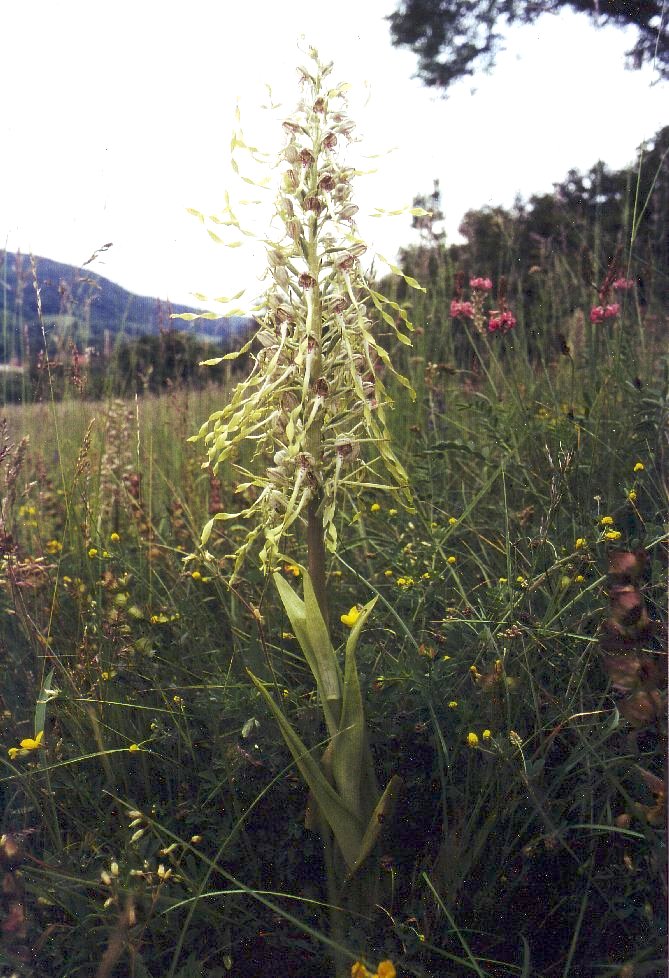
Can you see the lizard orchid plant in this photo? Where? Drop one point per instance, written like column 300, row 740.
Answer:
column 314, row 410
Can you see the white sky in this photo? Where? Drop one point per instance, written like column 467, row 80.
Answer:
column 116, row 117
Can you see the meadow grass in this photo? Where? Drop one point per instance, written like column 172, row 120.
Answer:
column 158, row 828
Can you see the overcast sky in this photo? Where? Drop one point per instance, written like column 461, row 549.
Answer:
column 117, row 117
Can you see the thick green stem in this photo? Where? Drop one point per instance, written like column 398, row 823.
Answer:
column 315, row 537
column 316, row 554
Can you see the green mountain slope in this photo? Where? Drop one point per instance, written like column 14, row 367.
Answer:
column 81, row 306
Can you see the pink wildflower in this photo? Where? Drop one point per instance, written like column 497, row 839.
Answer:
column 599, row 313
column 503, row 321
column 623, row 284
column 484, row 284
column 461, row 309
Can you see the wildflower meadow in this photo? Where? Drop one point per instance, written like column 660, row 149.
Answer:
column 351, row 661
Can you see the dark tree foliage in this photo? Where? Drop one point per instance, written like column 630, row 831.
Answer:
column 455, row 38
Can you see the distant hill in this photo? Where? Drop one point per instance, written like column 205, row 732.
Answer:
column 81, row 306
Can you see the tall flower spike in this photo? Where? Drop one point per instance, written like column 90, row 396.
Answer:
column 314, row 405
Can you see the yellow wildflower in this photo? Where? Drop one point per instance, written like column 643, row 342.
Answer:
column 374, row 508
column 486, row 735
column 196, row 575
column 388, row 573
column 358, row 970
column 606, row 521
column 93, row 552
column 30, row 743
column 114, row 538
column 639, row 467
column 580, row 543
column 631, row 495
column 453, row 705
column 134, row 747
column 426, row 576
column 472, row 740
column 392, row 512
column 451, row 559
column 386, row 969
column 579, row 579
column 291, row 569
column 350, row 619
column 503, row 580
column 612, row 535
column 452, row 521
column 53, row 546
column 27, row 744
column 405, row 582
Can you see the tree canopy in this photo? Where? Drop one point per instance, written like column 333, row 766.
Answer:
column 455, row 38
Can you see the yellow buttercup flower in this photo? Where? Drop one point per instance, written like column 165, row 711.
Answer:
column 350, row 619
column 134, row 747
column 358, row 970
column 487, row 735
column 451, row 559
column 612, row 535
column 606, row 521
column 631, row 495
column 374, row 508
column 452, row 521
column 291, row 569
column 472, row 740
column 639, row 467
column 386, row 969
column 28, row 744
column 580, row 543
column 114, row 538
column 32, row 744
column 453, row 705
